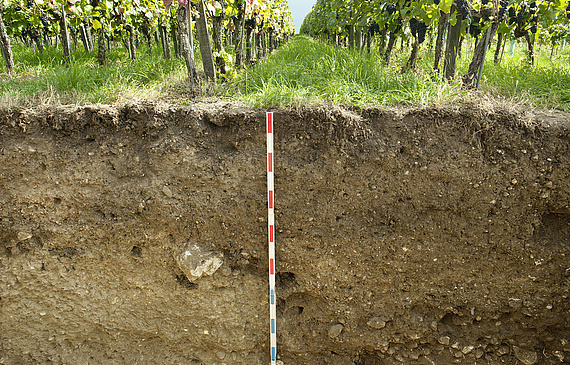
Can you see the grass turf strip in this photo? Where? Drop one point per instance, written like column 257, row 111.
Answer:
column 303, row 71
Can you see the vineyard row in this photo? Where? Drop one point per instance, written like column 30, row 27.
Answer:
column 252, row 27
column 358, row 23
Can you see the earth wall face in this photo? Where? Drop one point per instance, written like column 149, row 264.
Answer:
column 428, row 236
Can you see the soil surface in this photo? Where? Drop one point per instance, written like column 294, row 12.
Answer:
column 416, row 236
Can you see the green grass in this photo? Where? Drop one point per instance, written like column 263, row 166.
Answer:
column 307, row 71
column 44, row 79
column 303, row 71
column 547, row 84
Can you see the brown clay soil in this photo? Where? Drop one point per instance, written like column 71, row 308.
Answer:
column 415, row 236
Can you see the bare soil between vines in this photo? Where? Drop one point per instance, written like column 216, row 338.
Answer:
column 416, row 236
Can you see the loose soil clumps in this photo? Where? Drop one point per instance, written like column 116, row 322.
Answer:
column 137, row 234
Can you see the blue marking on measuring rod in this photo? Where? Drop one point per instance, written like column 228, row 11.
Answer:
column 271, row 237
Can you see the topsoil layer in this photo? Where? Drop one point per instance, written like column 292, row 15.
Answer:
column 421, row 236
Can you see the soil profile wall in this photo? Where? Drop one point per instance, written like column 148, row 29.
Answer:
column 136, row 234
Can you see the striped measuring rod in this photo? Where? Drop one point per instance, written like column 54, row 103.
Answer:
column 271, row 234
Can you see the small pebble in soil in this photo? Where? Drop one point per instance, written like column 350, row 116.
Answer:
column 376, row 322
column 195, row 260
column 335, row 330
column 166, row 190
column 22, row 236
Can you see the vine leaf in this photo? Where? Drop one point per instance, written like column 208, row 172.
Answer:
column 445, row 5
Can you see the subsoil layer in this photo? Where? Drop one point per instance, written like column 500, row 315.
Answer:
column 416, row 236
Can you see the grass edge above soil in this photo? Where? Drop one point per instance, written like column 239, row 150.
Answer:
column 302, row 72
column 340, row 76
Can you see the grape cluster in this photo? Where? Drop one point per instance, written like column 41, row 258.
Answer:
column 30, row 3
column 250, row 23
column 414, row 24
column 374, row 28
column 44, row 20
column 474, row 29
column 391, row 9
column 17, row 8
column 484, row 2
column 503, row 8
column 436, row 2
column 532, row 9
column 534, row 19
column 26, row 35
column 512, row 16
column 521, row 16
column 463, row 9
column 418, row 29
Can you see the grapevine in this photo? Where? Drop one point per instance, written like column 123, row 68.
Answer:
column 34, row 21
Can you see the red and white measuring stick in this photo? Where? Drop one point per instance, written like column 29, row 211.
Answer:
column 271, row 234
